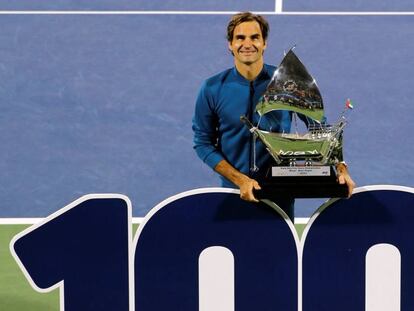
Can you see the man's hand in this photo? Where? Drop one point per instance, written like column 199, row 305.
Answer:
column 345, row 178
column 246, row 189
column 245, row 183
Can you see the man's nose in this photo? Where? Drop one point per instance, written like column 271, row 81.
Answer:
column 247, row 42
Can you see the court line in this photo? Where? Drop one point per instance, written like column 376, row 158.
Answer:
column 278, row 6
column 298, row 13
column 20, row 221
column 32, row 221
column 135, row 220
column 301, row 220
column 350, row 13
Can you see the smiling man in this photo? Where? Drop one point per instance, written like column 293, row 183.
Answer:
column 221, row 140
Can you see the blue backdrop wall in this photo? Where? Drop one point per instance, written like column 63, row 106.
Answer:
column 103, row 103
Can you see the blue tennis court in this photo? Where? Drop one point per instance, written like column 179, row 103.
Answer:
column 96, row 103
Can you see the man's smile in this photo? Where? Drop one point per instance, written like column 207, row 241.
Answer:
column 248, row 52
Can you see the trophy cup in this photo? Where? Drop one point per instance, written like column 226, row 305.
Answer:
column 303, row 164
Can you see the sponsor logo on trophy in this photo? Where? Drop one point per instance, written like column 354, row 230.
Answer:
column 304, row 163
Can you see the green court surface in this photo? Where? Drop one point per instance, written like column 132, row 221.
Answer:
column 16, row 294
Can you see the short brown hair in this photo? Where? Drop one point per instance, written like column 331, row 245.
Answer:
column 239, row 18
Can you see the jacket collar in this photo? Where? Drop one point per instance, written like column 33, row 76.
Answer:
column 265, row 74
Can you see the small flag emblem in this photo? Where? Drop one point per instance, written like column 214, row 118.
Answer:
column 349, row 104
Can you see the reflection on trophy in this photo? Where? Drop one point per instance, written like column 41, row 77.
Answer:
column 304, row 163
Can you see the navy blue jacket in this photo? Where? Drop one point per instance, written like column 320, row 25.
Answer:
column 218, row 132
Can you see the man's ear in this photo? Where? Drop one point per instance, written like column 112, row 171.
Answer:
column 229, row 47
column 264, row 47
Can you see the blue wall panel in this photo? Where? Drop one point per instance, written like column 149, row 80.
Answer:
column 350, row 5
column 110, row 5
column 104, row 103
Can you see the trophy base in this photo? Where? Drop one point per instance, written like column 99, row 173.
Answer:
column 324, row 186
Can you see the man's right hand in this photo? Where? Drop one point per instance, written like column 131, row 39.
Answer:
column 244, row 182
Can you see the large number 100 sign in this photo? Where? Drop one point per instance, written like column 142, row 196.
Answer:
column 207, row 250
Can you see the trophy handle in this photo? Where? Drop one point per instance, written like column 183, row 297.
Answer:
column 246, row 121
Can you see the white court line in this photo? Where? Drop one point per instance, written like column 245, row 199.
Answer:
column 20, row 221
column 381, row 13
column 278, row 6
column 32, row 221
column 301, row 220
column 378, row 13
column 135, row 220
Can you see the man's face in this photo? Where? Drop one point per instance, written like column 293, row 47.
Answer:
column 248, row 44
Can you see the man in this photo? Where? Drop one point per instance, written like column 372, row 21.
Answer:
column 220, row 139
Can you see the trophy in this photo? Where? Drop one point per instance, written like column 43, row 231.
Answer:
column 303, row 163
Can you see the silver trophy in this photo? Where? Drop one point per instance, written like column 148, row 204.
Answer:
column 304, row 163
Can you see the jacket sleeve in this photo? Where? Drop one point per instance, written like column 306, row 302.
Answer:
column 205, row 128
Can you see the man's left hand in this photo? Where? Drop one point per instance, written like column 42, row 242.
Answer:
column 345, row 178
